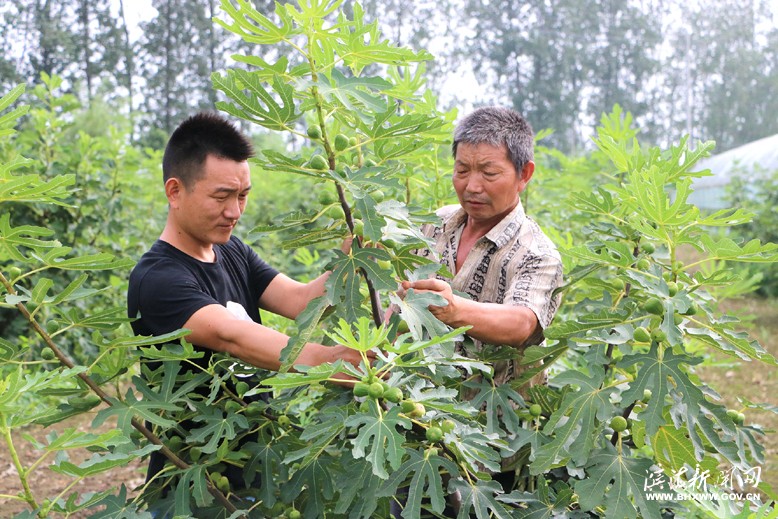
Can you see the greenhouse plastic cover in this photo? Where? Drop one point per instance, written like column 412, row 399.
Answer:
column 760, row 155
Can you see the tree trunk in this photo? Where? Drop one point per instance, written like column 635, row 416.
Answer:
column 129, row 63
column 87, row 51
column 168, row 92
column 212, row 50
column 43, row 19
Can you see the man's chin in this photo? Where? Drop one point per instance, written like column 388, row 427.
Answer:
column 222, row 237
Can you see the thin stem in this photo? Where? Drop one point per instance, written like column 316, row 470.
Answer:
column 28, row 497
column 137, row 424
column 375, row 302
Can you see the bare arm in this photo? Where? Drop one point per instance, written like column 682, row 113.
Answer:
column 287, row 297
column 214, row 327
column 491, row 323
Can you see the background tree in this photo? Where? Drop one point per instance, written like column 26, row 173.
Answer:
column 425, row 24
column 180, row 48
column 563, row 63
column 735, row 81
column 43, row 36
column 101, row 47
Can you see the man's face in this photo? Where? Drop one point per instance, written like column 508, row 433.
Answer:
column 207, row 212
column 487, row 183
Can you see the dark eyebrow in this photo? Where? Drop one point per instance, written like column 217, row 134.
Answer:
column 229, row 191
column 484, row 164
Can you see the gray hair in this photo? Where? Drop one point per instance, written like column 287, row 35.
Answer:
column 498, row 126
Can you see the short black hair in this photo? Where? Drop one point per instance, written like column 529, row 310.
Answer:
column 498, row 126
column 202, row 134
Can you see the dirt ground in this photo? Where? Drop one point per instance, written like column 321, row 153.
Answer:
column 46, row 483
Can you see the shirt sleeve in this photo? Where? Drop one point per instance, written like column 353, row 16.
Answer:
column 259, row 271
column 533, row 285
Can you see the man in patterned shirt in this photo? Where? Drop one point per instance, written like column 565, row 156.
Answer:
column 499, row 257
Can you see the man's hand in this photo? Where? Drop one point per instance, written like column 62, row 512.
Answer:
column 449, row 313
column 333, row 353
column 490, row 322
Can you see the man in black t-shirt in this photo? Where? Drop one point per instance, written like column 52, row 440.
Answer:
column 198, row 276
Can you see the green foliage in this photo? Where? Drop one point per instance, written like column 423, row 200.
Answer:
column 322, row 449
column 49, row 286
column 755, row 191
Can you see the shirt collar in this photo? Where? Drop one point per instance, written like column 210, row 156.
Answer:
column 500, row 234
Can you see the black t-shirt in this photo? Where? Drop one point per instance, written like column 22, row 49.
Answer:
column 168, row 286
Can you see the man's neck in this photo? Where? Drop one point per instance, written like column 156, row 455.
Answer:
column 179, row 240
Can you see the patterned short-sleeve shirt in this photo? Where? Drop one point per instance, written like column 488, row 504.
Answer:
column 515, row 263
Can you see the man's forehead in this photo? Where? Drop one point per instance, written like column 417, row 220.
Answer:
column 481, row 152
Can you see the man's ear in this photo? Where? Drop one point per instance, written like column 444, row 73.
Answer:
column 526, row 175
column 173, row 189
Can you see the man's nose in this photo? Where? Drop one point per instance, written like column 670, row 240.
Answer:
column 474, row 184
column 232, row 209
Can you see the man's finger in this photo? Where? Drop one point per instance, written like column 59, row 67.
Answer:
column 429, row 284
column 345, row 247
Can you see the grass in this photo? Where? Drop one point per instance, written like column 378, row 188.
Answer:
column 738, row 381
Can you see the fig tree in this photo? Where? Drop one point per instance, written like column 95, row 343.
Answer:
column 658, row 335
column 319, row 163
column 341, row 142
column 361, row 389
column 253, row 410
column 654, row 306
column 327, row 197
column 641, row 334
column 434, row 434
column 619, row 424
column 83, row 403
column 393, row 394
column 51, row 327
column 375, row 390
column 314, row 132
column 407, row 406
column 418, row 410
column 241, row 387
